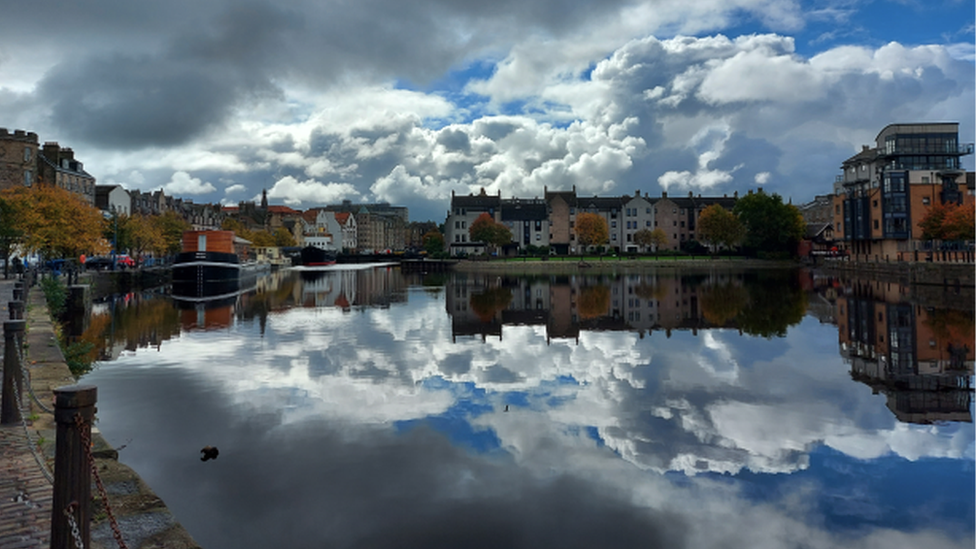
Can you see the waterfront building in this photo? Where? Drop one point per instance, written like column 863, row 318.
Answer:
column 551, row 221
column 464, row 211
column 528, row 220
column 887, row 189
column 638, row 215
column 18, row 158
column 23, row 162
column 113, row 199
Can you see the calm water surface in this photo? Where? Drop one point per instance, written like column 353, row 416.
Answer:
column 366, row 408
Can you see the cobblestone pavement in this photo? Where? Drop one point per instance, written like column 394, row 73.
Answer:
column 25, row 495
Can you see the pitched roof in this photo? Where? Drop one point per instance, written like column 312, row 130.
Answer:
column 523, row 211
column 283, row 210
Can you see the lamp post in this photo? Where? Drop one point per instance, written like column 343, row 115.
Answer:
column 115, row 237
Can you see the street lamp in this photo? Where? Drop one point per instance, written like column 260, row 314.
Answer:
column 115, row 237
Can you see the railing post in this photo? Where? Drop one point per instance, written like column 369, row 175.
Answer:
column 16, row 309
column 13, row 376
column 74, row 409
column 18, row 294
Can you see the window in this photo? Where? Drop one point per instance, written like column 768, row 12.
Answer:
column 27, row 154
column 674, row 223
column 457, row 224
column 926, row 201
column 613, row 224
column 27, row 178
column 464, row 224
column 682, row 224
column 538, row 236
column 647, row 223
column 875, row 223
column 613, row 236
column 648, row 211
column 874, row 204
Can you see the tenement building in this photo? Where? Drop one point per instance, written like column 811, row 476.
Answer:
column 551, row 221
column 23, row 163
column 887, row 189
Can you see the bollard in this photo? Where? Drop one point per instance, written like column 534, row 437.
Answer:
column 72, row 469
column 13, row 376
column 18, row 294
column 16, row 309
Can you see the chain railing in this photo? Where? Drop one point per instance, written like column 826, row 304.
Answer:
column 86, row 444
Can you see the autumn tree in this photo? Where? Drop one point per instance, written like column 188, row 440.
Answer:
column 594, row 301
column 55, row 222
column 231, row 224
column 144, row 235
column 283, row 238
column 643, row 238
column 486, row 229
column 960, row 223
column 433, row 242
column 486, row 305
column 771, row 226
column 171, row 227
column 591, row 230
column 262, row 239
column 722, row 302
column 10, row 233
column 718, row 227
column 659, row 239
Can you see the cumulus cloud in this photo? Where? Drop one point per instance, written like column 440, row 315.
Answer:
column 513, row 100
column 295, row 192
column 182, row 183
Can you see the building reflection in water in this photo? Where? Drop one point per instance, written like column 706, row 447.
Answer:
column 919, row 356
column 912, row 344
column 756, row 303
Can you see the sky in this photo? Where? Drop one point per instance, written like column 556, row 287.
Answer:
column 386, row 101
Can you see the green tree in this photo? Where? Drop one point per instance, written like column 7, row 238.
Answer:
column 771, row 226
column 591, row 230
column 718, row 227
column 776, row 302
column 433, row 242
column 262, row 239
column 171, row 227
column 283, row 238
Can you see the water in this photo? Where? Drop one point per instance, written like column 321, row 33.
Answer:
column 360, row 408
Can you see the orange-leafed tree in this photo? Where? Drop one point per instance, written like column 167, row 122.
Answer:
column 488, row 304
column 486, row 229
column 933, row 220
column 594, row 302
column 591, row 230
column 719, row 227
column 144, row 235
column 56, row 222
column 959, row 223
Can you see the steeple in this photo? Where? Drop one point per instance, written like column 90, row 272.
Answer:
column 264, row 198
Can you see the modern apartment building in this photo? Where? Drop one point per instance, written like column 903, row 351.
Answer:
column 887, row 189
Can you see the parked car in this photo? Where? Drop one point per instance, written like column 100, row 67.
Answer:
column 98, row 263
column 123, row 260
